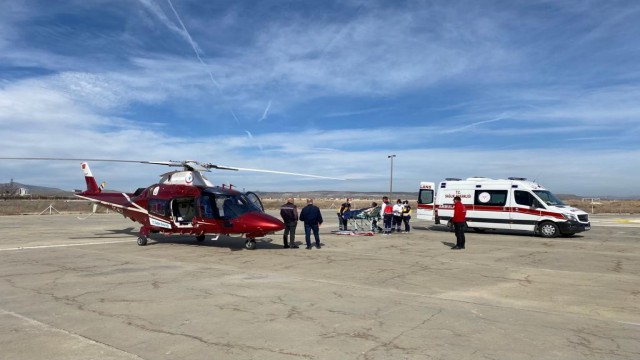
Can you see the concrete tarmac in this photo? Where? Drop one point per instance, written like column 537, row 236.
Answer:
column 72, row 289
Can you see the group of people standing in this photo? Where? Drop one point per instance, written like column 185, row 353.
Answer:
column 393, row 216
column 310, row 216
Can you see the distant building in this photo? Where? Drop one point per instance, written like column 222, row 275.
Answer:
column 13, row 189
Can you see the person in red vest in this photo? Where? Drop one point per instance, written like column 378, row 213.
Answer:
column 459, row 221
column 387, row 215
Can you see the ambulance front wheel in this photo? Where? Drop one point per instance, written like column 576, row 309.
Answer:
column 549, row 229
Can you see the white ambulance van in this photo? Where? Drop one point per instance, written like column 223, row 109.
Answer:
column 514, row 204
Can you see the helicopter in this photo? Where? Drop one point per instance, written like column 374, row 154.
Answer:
column 185, row 202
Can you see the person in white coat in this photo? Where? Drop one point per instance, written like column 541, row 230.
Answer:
column 397, row 216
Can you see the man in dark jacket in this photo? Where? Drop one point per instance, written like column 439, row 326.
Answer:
column 289, row 214
column 346, row 206
column 312, row 219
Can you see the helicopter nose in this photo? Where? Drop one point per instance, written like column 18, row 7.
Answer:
column 262, row 223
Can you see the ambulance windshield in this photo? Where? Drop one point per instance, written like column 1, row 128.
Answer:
column 548, row 197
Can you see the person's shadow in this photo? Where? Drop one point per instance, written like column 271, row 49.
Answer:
column 449, row 244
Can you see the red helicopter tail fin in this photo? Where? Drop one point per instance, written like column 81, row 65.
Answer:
column 92, row 185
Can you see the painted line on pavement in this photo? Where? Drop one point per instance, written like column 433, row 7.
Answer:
column 63, row 245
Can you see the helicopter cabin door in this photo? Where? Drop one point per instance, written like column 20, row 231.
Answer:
column 183, row 210
column 255, row 200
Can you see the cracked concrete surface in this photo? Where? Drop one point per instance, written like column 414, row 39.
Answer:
column 73, row 289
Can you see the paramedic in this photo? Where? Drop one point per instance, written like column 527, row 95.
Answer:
column 289, row 214
column 397, row 216
column 406, row 215
column 459, row 222
column 387, row 215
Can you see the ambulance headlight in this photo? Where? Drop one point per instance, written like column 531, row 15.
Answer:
column 570, row 217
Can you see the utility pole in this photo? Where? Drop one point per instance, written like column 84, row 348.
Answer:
column 391, row 178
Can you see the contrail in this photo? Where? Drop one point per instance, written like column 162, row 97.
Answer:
column 264, row 114
column 501, row 117
column 195, row 50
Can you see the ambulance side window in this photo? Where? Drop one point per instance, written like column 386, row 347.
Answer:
column 490, row 197
column 425, row 196
column 526, row 198
column 523, row 198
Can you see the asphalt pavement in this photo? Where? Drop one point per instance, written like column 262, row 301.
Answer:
column 83, row 289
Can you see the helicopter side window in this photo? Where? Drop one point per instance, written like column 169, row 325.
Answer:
column 158, row 207
column 205, row 207
column 232, row 206
column 227, row 208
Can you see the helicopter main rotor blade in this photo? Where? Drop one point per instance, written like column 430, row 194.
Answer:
column 288, row 173
column 187, row 165
column 166, row 163
column 85, row 159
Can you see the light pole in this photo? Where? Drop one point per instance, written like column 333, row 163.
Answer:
column 391, row 178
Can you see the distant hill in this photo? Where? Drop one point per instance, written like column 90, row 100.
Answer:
column 569, row 196
column 602, row 197
column 12, row 188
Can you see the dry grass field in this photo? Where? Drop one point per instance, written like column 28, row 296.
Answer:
column 32, row 207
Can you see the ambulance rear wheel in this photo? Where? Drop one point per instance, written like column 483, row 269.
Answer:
column 250, row 244
column 549, row 230
column 142, row 240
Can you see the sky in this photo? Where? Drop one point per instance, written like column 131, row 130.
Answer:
column 543, row 89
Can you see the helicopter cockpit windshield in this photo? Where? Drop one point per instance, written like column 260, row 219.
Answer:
column 225, row 206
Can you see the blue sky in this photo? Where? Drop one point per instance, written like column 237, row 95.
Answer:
column 548, row 90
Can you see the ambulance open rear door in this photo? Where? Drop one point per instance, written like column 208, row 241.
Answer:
column 426, row 199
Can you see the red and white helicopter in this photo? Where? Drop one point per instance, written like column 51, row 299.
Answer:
column 185, row 202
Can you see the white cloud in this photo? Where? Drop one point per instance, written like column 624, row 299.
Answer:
column 580, row 171
column 78, row 105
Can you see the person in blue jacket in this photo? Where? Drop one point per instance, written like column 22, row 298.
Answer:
column 312, row 219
